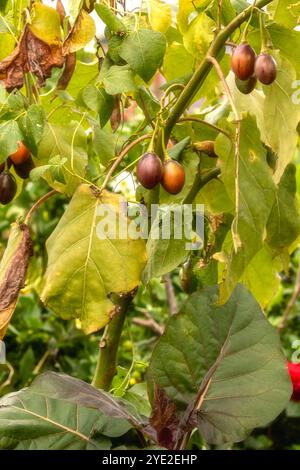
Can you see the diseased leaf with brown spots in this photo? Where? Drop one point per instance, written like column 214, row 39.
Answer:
column 13, row 268
column 30, row 55
column 164, row 418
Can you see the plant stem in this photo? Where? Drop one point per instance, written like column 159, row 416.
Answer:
column 37, row 205
column 199, row 182
column 109, row 344
column 205, row 67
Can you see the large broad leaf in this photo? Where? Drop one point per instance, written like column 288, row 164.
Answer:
column 177, row 62
column 256, row 196
column 86, row 265
column 168, row 242
column 62, row 413
column 286, row 12
column 186, row 7
column 282, row 115
column 118, row 79
column 33, row 125
column 13, row 269
column 283, row 226
column 144, row 50
column 199, row 35
column 70, row 143
column 223, row 364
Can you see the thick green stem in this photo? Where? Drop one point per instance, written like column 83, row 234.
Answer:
column 205, row 67
column 199, row 182
column 109, row 344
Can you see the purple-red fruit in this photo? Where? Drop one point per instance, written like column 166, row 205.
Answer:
column 173, row 177
column 149, row 170
column 23, row 169
column 243, row 61
column 8, row 187
column 246, row 86
column 265, row 68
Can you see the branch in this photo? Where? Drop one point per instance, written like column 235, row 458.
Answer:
column 120, row 157
column 205, row 67
column 199, row 182
column 292, row 301
column 109, row 344
column 38, row 204
column 170, row 294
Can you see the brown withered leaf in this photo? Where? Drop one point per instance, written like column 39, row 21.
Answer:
column 13, row 277
column 68, row 71
column 164, row 418
column 116, row 117
column 30, row 55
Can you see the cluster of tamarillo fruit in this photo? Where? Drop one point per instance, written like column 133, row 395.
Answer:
column 23, row 164
column 151, row 171
column 248, row 68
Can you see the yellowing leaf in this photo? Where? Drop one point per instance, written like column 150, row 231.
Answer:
column 199, row 35
column 186, row 7
column 84, row 268
column 45, row 24
column 81, row 34
column 160, row 15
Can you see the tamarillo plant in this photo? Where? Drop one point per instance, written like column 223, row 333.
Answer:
column 217, row 371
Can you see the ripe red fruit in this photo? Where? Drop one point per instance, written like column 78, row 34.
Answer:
column 20, row 155
column 265, row 68
column 243, row 61
column 8, row 187
column 246, row 86
column 294, row 370
column 23, row 169
column 149, row 170
column 173, row 177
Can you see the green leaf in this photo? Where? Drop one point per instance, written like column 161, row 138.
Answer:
column 98, row 101
column 186, row 7
column 10, row 136
column 82, row 32
column 223, row 361
column 45, row 24
column 86, row 265
column 118, row 79
column 283, row 226
column 199, row 35
column 144, row 50
column 113, row 23
column 55, row 167
column 282, row 115
column 177, row 62
column 256, row 196
column 58, row 412
column 68, row 142
column 165, row 253
column 104, row 145
column 286, row 12
column 33, row 125
column 147, row 102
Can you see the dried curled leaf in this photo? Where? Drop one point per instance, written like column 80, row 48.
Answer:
column 116, row 115
column 82, row 33
column 70, row 64
column 13, row 270
column 164, row 418
column 30, row 55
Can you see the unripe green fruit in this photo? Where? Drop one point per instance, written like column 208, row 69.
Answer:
column 246, row 86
